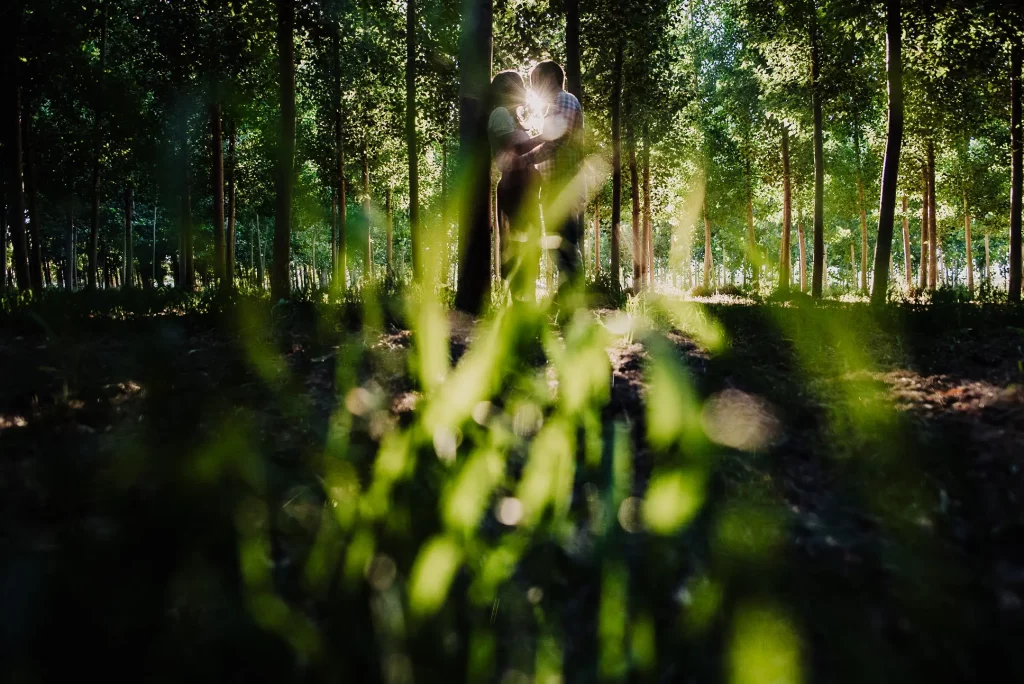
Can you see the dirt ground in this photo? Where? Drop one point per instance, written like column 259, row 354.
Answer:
column 902, row 557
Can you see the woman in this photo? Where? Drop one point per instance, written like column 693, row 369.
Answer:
column 518, row 203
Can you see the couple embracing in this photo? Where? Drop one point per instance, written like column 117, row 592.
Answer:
column 540, row 177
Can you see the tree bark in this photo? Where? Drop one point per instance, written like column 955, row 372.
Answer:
column 232, row 237
column 410, row 139
column 259, row 249
column 863, row 211
column 217, row 150
column 819, row 163
column 16, row 214
column 1016, row 171
column 390, row 233
column 573, row 73
column 186, row 263
column 280, row 284
column 803, row 252
column 933, row 237
column 893, row 147
column 367, row 208
column 907, row 263
column 616, row 103
column 35, row 253
column 129, row 246
column 648, row 265
column 708, row 255
column 476, row 54
column 69, row 251
column 787, row 216
column 156, row 281
column 341, row 260
column 967, row 242
column 634, row 194
column 752, row 252
column 597, row 237
column 925, row 231
column 988, row 273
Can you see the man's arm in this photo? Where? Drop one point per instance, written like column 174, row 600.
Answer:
column 558, row 128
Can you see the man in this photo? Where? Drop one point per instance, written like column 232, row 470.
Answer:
column 559, row 158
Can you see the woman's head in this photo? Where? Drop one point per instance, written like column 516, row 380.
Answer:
column 508, row 89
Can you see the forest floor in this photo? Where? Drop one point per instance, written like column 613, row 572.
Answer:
column 902, row 557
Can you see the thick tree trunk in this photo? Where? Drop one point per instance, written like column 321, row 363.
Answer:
column 967, row 242
column 819, row 163
column 129, row 239
column 410, row 141
column 893, row 147
column 634, row 194
column 787, row 216
column 279, row 280
column 476, row 53
column 708, row 256
column 648, row 240
column 1016, row 170
column 616, row 103
column 232, row 237
column 217, row 151
column 933, row 236
column 573, row 74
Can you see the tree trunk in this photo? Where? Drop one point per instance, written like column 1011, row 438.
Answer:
column 893, row 147
column 1016, row 172
column 69, row 251
column 232, row 237
column 476, row 54
column 368, row 244
column 933, row 237
column 708, row 256
column 156, row 281
column 129, row 239
column 94, row 234
column 597, row 238
column 634, row 194
column 279, row 281
column 819, row 163
column 988, row 273
column 410, row 141
column 752, row 252
column 341, row 260
column 573, row 74
column 907, row 263
column 648, row 265
column 35, row 254
column 186, row 260
column 787, row 216
column 923, row 266
column 259, row 248
column 803, row 252
column 217, row 150
column 391, row 236
column 616, row 103
column 967, row 242
column 862, row 210
column 16, row 190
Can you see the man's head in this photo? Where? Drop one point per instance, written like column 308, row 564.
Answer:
column 547, row 79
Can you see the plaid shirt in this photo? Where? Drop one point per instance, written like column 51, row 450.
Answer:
column 559, row 158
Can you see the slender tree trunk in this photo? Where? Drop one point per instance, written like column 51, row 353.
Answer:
column 410, row 140
column 925, row 232
column 803, row 253
column 648, row 240
column 933, row 236
column 634, row 193
column 35, row 255
column 7, row 211
column 129, row 239
column 708, row 256
column 967, row 242
column 16, row 214
column 863, row 211
column 907, row 263
column 156, row 281
column 496, row 233
column 69, row 251
column 787, row 216
column 232, row 236
column 616, row 103
column 893, row 147
column 597, row 238
column 1016, row 170
column 186, row 260
column 217, row 150
column 476, row 54
column 259, row 248
column 94, row 234
column 368, row 244
column 280, row 285
column 341, row 261
column 390, row 235
column 988, row 273
column 819, row 163
column 334, row 234
column 752, row 251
